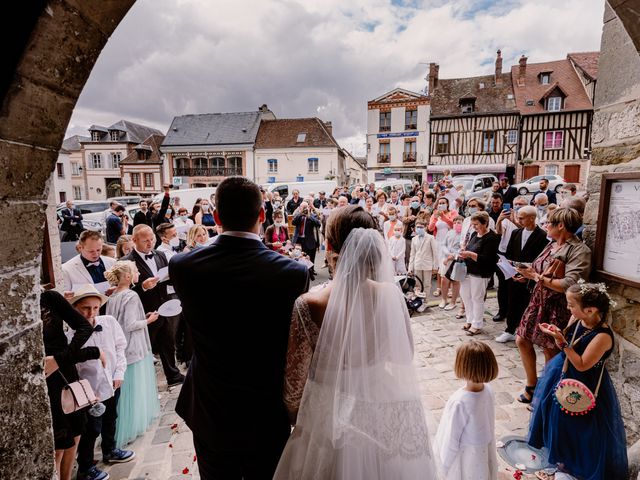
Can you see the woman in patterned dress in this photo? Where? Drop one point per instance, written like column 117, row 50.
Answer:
column 561, row 264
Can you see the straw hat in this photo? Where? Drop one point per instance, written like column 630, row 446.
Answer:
column 87, row 290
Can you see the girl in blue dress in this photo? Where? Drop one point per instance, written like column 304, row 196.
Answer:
column 590, row 446
column 138, row 405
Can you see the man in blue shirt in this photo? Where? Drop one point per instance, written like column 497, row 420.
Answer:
column 116, row 224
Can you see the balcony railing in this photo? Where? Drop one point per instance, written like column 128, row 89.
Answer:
column 208, row 172
column 384, row 158
column 408, row 157
column 410, row 126
column 385, row 128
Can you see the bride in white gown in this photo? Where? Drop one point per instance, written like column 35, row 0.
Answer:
column 361, row 417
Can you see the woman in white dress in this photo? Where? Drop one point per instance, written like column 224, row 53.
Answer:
column 360, row 415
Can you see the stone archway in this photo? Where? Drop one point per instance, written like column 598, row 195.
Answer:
column 45, row 68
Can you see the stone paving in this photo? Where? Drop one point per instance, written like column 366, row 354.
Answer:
column 166, row 451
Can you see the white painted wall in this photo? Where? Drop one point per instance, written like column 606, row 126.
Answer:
column 96, row 177
column 294, row 161
column 62, row 184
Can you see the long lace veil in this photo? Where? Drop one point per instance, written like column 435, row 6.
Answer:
column 361, row 413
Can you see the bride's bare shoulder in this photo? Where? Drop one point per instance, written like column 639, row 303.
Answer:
column 317, row 300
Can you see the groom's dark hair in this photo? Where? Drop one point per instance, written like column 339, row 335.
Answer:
column 238, row 203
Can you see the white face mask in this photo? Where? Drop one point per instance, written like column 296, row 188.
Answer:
column 392, row 217
column 174, row 242
column 276, row 204
column 442, row 207
column 184, row 218
column 420, row 231
column 397, row 234
column 205, row 208
column 279, row 224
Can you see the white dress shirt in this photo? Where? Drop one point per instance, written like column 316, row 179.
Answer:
column 151, row 262
column 247, row 235
column 113, row 343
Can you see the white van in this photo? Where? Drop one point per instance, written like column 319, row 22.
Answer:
column 285, row 189
column 188, row 196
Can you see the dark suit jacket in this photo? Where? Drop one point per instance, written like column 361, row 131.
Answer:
column 509, row 195
column 237, row 298
column 309, row 240
column 142, row 218
column 534, row 246
column 153, row 298
column 69, row 216
column 551, row 195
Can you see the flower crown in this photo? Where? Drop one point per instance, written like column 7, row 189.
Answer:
column 600, row 287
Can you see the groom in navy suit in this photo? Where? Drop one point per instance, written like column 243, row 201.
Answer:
column 232, row 396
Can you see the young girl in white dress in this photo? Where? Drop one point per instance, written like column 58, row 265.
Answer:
column 465, row 442
column 397, row 247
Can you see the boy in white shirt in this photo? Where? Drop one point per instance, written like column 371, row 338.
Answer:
column 105, row 381
column 397, row 247
column 424, row 256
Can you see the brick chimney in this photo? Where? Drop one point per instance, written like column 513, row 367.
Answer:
column 499, row 69
column 433, row 77
column 328, row 127
column 522, row 70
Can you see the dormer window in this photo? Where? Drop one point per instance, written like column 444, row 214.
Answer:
column 114, row 134
column 554, row 104
column 545, row 78
column 95, row 136
column 467, row 105
column 302, row 137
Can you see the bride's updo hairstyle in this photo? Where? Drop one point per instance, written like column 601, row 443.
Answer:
column 344, row 219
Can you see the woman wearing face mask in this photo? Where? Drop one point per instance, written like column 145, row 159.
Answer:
column 390, row 224
column 196, row 238
column 183, row 223
column 441, row 222
column 195, row 210
column 277, row 235
column 380, row 208
column 205, row 218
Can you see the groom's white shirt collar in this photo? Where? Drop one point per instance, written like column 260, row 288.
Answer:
column 248, row 235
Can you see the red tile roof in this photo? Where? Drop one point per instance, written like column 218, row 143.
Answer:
column 587, row 62
column 283, row 133
column 151, row 143
column 562, row 73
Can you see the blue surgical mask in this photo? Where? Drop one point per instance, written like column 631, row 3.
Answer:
column 415, row 205
column 517, row 207
column 184, row 218
column 420, row 231
column 392, row 217
column 472, row 210
column 542, row 208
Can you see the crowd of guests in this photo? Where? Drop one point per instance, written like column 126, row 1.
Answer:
column 113, row 291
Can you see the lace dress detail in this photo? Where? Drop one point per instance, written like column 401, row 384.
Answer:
column 303, row 336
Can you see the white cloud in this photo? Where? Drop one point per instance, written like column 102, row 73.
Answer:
column 313, row 58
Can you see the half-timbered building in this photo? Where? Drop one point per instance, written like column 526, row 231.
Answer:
column 556, row 116
column 474, row 124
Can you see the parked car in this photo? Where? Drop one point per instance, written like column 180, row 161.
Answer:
column 387, row 185
column 556, row 182
column 285, row 189
column 128, row 200
column 475, row 186
column 92, row 213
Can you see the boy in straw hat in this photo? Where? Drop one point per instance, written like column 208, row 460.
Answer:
column 109, row 338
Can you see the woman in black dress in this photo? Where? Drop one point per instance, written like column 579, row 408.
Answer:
column 60, row 361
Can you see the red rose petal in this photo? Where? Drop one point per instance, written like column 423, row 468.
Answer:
column 195, row 458
column 171, row 445
column 185, row 471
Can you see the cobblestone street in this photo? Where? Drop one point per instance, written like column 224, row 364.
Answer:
column 166, row 451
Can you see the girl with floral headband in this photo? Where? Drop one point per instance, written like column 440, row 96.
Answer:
column 576, row 413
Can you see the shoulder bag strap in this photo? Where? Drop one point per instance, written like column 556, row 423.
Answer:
column 565, row 367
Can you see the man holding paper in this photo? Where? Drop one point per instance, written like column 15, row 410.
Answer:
column 88, row 266
column 155, row 289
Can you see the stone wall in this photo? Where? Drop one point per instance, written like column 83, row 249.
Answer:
column 54, row 62
column 616, row 148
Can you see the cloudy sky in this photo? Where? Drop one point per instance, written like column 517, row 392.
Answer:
column 305, row 58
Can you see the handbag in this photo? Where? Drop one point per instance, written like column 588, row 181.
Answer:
column 76, row 395
column 459, row 271
column 572, row 396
